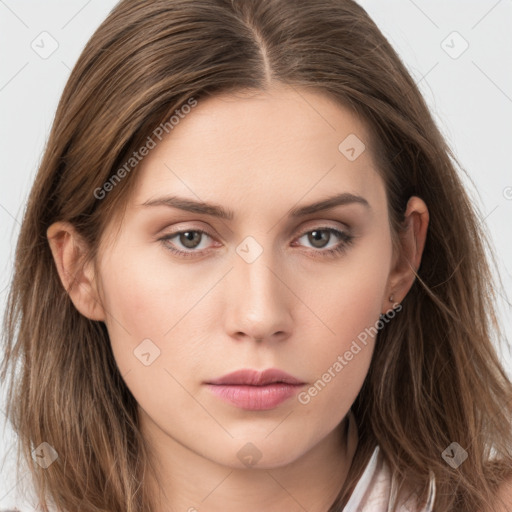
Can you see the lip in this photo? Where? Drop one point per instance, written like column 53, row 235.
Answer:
column 255, row 390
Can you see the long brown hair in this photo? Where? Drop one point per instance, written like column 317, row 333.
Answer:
column 435, row 377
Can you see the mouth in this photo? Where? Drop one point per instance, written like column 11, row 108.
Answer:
column 255, row 390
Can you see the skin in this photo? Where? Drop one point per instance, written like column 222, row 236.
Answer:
column 259, row 155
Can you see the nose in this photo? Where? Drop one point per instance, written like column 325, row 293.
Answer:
column 259, row 300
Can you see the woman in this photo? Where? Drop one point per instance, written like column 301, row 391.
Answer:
column 249, row 276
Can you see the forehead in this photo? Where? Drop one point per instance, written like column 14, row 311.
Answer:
column 281, row 144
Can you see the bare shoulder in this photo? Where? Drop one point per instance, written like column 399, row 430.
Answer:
column 504, row 497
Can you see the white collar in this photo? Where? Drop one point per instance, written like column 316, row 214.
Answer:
column 375, row 490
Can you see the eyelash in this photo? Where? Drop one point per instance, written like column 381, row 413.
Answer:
column 346, row 241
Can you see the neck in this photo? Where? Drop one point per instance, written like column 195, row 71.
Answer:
column 186, row 481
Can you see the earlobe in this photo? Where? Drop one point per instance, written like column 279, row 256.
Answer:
column 411, row 245
column 68, row 251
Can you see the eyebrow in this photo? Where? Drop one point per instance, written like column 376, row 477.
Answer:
column 216, row 210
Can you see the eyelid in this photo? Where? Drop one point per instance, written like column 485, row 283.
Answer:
column 319, row 224
column 179, row 231
column 311, row 226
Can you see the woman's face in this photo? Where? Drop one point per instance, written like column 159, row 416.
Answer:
column 273, row 283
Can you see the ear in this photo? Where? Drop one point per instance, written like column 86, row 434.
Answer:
column 408, row 258
column 68, row 250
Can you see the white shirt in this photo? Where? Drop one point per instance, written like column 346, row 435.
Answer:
column 375, row 490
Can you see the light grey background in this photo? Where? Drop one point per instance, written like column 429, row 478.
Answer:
column 469, row 92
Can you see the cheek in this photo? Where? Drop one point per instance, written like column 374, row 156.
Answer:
column 148, row 297
column 349, row 302
column 137, row 300
column 340, row 357
column 349, row 296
